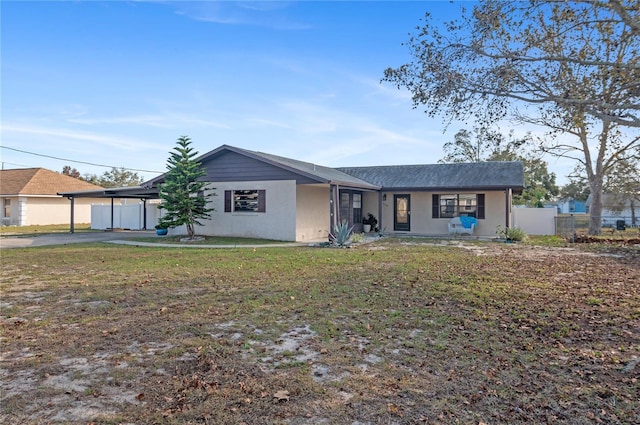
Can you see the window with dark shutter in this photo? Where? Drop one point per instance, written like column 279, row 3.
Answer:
column 251, row 201
column 227, row 201
column 262, row 201
column 458, row 204
column 435, row 206
column 481, row 209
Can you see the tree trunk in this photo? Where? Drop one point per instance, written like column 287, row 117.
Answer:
column 595, row 209
column 634, row 219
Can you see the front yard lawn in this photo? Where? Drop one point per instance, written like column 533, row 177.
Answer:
column 391, row 332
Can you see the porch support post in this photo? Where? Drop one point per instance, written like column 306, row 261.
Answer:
column 332, row 209
column 380, row 211
column 507, row 207
column 144, row 214
column 72, row 218
column 111, row 213
column 336, row 205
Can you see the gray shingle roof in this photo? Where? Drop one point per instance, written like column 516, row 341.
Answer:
column 479, row 175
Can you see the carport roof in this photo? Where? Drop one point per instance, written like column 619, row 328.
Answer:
column 135, row 192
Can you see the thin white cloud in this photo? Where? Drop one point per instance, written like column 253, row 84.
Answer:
column 263, row 6
column 263, row 14
column 261, row 122
column 372, row 144
column 329, row 134
column 158, row 121
column 119, row 142
column 386, row 90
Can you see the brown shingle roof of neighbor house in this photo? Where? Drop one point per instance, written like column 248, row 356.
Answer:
column 39, row 181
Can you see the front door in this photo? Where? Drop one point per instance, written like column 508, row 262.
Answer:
column 402, row 213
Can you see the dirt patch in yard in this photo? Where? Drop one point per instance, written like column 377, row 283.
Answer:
column 388, row 332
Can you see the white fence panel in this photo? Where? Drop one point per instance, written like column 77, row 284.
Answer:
column 128, row 216
column 100, row 216
column 535, row 221
column 131, row 216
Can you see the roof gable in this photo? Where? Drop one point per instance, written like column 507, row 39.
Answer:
column 229, row 163
column 39, row 181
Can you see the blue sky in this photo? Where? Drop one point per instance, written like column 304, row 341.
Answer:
column 115, row 83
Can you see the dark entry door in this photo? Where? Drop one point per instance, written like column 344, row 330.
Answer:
column 351, row 209
column 402, row 213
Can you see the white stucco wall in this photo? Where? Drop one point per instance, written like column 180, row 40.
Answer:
column 370, row 205
column 12, row 218
column 495, row 212
column 278, row 222
column 423, row 224
column 313, row 213
column 44, row 210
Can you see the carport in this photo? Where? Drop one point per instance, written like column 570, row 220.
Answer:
column 132, row 192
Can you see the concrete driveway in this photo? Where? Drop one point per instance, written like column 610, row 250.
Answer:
column 67, row 238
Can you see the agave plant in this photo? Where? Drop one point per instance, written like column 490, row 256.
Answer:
column 343, row 231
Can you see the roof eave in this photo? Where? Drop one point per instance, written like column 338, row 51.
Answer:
column 450, row 188
column 351, row 185
column 135, row 192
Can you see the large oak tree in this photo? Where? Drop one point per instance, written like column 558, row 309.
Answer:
column 572, row 67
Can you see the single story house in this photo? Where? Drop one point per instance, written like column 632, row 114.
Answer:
column 30, row 197
column 572, row 206
column 616, row 207
column 261, row 195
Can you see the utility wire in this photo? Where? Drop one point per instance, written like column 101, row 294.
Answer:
column 78, row 162
column 13, row 163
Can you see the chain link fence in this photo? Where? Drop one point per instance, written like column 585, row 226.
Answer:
column 569, row 226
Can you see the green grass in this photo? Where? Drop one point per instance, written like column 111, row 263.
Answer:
column 208, row 240
column 380, row 333
column 38, row 230
column 546, row 240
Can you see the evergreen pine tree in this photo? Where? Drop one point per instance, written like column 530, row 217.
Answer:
column 183, row 192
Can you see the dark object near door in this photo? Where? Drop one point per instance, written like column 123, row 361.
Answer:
column 620, row 225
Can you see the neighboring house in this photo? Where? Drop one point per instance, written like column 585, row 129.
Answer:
column 615, row 208
column 267, row 196
column 30, row 197
column 572, row 206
